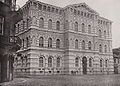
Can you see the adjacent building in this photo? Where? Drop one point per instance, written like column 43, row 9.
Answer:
column 116, row 56
column 8, row 46
column 70, row 40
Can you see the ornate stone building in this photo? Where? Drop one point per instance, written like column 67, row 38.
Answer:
column 70, row 40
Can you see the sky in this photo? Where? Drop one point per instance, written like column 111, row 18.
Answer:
column 109, row 9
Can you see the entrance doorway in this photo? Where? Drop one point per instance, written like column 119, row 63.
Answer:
column 84, row 65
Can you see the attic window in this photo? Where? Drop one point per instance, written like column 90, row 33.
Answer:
column 85, row 14
column 71, row 9
column 75, row 6
column 39, row 6
column 48, row 9
column 81, row 13
column 88, row 15
column 82, row 5
column 56, row 10
column 53, row 9
column 60, row 12
column 35, row 4
column 44, row 8
column 75, row 11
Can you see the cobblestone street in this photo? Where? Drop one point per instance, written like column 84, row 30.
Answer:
column 55, row 80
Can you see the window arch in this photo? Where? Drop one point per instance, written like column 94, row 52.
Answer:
column 106, row 63
column 58, row 62
column 50, row 62
column 89, row 45
column 34, row 20
column 57, row 43
column 105, row 48
column 90, row 62
column 104, row 34
column 50, row 42
column 27, row 42
column 83, row 27
column 100, row 48
column 66, row 24
column 27, row 23
column 41, row 62
column 76, row 26
column 23, row 43
column 100, row 33
column 41, row 42
column 18, row 30
column 41, row 22
column 48, row 9
column 76, row 44
column 50, row 24
column 83, row 44
column 89, row 29
column 23, row 25
column 76, row 62
column 58, row 25
column 101, row 63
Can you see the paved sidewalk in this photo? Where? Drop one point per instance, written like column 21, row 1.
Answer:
column 14, row 81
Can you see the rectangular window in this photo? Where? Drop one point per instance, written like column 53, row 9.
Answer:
column 1, row 25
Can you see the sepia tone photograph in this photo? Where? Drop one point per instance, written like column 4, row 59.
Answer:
column 59, row 43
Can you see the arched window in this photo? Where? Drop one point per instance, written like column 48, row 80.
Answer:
column 27, row 23
column 89, row 29
column 101, row 63
column 57, row 43
column 83, row 27
column 39, row 6
column 100, row 34
column 41, row 42
column 106, row 63
column 27, row 42
column 50, row 62
column 76, row 44
column 23, row 43
column 23, row 25
column 50, row 42
column 34, row 20
column 58, row 25
column 90, row 62
column 100, row 48
column 104, row 34
column 66, row 24
column 58, row 62
column 26, row 60
column 48, row 9
column 89, row 45
column 18, row 30
column 76, row 62
column 76, row 26
column 41, row 62
column 50, row 24
column 83, row 44
column 41, row 23
column 44, row 8
column 105, row 48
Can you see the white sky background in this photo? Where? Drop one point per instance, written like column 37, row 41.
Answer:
column 109, row 9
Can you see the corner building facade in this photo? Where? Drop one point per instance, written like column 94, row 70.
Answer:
column 69, row 40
